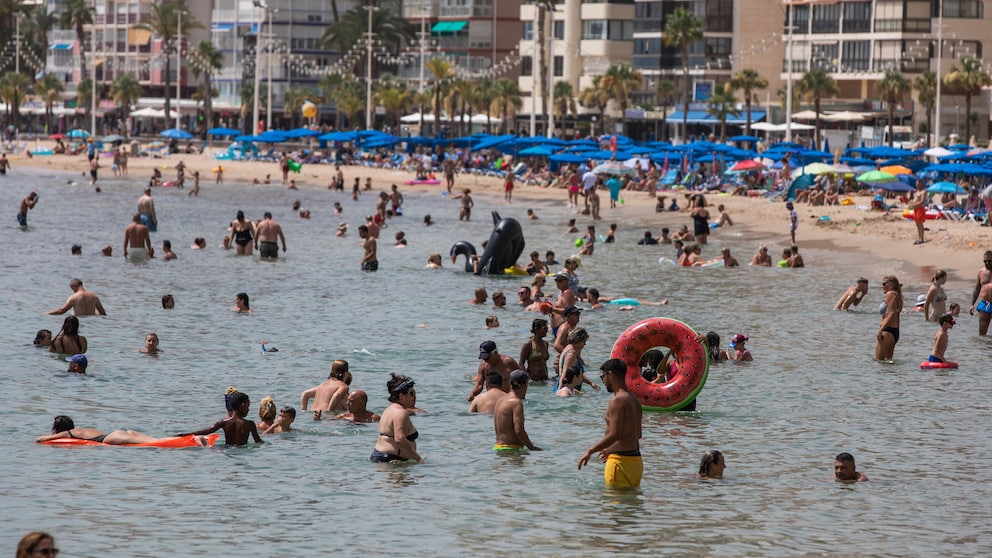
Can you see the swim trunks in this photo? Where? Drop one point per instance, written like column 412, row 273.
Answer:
column 984, row 306
column 932, row 358
column 268, row 249
column 379, row 457
column 147, row 221
column 894, row 331
column 22, row 219
column 137, row 254
column 623, row 470
column 371, row 266
column 504, row 448
column 919, row 214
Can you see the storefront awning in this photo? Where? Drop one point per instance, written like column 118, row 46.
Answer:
column 449, row 26
column 137, row 37
column 220, row 27
column 60, row 46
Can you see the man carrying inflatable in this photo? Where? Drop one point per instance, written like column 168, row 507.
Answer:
column 620, row 446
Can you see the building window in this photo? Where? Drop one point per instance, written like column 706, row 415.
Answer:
column 559, row 30
column 607, row 30
column 526, row 66
column 719, row 16
column 647, row 46
column 857, row 17
column 970, row 9
column 528, row 31
column 857, row 56
column 826, row 18
column 824, row 56
column 800, row 20
column 559, row 66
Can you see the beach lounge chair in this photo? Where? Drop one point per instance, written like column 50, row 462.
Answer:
column 670, row 177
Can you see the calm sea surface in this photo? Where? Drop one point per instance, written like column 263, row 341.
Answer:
column 812, row 392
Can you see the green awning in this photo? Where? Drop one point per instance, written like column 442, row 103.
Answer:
column 449, row 26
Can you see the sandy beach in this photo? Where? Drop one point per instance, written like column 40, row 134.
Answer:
column 955, row 246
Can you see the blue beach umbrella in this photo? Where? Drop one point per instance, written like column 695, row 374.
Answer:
column 946, row 188
column 223, row 132
column 77, row 133
column 176, row 133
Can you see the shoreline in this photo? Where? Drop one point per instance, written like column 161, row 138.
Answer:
column 954, row 246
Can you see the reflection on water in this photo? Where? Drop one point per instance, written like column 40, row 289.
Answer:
column 811, row 392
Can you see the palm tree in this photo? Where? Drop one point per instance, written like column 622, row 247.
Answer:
column 815, row 84
column 292, row 103
column 892, row 88
column 484, row 96
column 543, row 7
column 596, row 96
column 351, row 99
column 423, row 99
column 391, row 30
column 396, row 99
column 441, row 70
column 13, row 87
column 330, row 84
column 748, row 81
column 926, row 91
column 75, row 15
column 621, row 80
column 49, row 89
column 564, row 102
column 125, row 91
column 665, row 90
column 460, row 98
column 35, row 28
column 334, row 11
column 720, row 105
column 968, row 78
column 506, row 95
column 84, row 94
column 207, row 59
column 681, row 30
column 163, row 22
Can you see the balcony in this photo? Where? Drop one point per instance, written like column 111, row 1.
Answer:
column 648, row 26
column 918, row 25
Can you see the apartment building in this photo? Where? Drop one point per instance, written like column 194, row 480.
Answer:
column 857, row 41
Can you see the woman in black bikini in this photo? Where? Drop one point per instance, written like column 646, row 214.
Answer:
column 63, row 427
column 242, row 231
column 68, row 341
column 888, row 330
column 397, row 439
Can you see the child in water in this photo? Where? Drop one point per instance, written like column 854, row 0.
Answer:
column 941, row 338
column 236, row 427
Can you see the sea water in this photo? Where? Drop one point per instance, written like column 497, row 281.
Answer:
column 812, row 391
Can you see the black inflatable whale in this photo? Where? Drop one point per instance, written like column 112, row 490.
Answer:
column 505, row 245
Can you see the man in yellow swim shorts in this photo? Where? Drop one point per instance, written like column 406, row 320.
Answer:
column 508, row 417
column 620, row 446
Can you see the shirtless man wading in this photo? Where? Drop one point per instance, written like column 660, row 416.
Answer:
column 146, row 209
column 981, row 298
column 82, row 302
column 137, row 238
column 266, row 234
column 332, row 395
column 492, row 361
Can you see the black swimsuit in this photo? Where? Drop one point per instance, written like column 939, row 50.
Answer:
column 242, row 237
column 98, row 439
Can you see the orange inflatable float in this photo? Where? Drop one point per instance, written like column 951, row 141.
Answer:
column 173, row 442
column 691, row 355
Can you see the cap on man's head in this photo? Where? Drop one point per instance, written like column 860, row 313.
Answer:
column 79, row 360
column 572, row 310
column 518, row 377
column 921, row 300
column 647, row 234
column 560, row 276
column 486, row 349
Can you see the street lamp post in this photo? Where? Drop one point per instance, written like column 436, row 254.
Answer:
column 93, row 78
column 268, row 64
column 788, row 78
column 179, row 64
column 368, row 71
column 257, row 70
column 940, row 55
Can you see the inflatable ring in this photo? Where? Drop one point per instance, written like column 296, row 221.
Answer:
column 936, row 365
column 515, row 270
column 691, row 354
